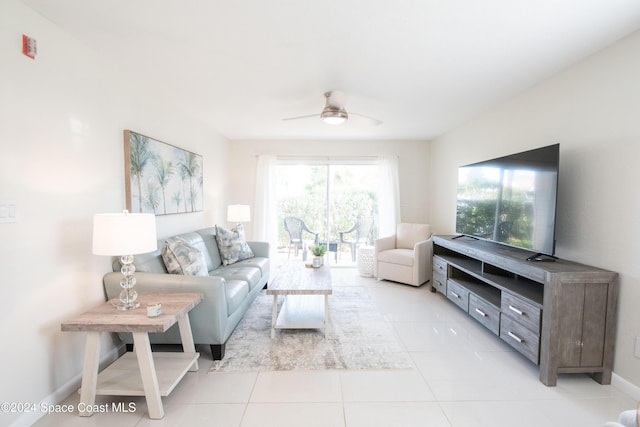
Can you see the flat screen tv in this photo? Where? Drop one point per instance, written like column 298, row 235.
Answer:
column 511, row 200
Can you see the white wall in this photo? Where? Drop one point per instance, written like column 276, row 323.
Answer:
column 413, row 161
column 62, row 118
column 592, row 110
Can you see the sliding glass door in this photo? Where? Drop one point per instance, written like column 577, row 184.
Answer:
column 327, row 197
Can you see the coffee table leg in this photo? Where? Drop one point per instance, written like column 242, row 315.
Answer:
column 148, row 374
column 274, row 316
column 90, row 373
column 326, row 314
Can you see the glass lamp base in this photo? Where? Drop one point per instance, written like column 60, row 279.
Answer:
column 128, row 296
column 123, row 307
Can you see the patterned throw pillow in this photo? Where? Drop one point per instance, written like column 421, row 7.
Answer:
column 232, row 244
column 181, row 258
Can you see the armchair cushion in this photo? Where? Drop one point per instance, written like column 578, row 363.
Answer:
column 181, row 258
column 397, row 256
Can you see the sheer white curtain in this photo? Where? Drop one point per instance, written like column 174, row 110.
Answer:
column 388, row 196
column 265, row 222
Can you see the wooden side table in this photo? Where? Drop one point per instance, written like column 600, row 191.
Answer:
column 141, row 372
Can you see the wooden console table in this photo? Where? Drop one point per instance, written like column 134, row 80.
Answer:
column 141, row 372
column 560, row 315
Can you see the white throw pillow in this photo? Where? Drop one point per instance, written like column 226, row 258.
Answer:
column 181, row 258
column 232, row 244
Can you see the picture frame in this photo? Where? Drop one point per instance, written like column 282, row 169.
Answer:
column 161, row 178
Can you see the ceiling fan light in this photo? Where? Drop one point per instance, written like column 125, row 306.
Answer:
column 334, row 120
column 334, row 116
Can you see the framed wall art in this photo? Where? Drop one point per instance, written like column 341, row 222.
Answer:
column 160, row 178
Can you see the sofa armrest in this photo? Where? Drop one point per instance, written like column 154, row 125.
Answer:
column 259, row 248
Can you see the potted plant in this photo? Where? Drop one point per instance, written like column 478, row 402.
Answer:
column 318, row 252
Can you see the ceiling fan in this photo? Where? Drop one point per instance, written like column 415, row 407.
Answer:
column 334, row 112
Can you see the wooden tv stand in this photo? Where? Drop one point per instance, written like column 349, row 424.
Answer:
column 560, row 315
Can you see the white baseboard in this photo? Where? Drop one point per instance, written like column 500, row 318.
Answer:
column 29, row 418
column 631, row 390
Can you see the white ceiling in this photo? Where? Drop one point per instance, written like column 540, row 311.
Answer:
column 420, row 66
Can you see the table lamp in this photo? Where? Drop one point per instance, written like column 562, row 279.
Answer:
column 238, row 213
column 125, row 234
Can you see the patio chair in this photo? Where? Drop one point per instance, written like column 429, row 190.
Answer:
column 360, row 232
column 295, row 227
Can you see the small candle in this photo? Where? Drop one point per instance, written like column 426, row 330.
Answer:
column 154, row 309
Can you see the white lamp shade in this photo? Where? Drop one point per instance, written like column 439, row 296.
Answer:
column 238, row 213
column 124, row 234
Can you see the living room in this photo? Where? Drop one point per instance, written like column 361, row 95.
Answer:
column 64, row 112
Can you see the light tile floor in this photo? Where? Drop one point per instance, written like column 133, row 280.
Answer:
column 463, row 376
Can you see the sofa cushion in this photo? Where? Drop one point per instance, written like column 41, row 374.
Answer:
column 181, row 258
column 397, row 256
column 258, row 262
column 249, row 274
column 232, row 244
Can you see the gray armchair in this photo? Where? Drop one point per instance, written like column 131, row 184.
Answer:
column 357, row 235
column 295, row 227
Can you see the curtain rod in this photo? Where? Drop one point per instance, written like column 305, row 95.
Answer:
column 328, row 158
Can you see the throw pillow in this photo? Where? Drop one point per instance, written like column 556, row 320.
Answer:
column 181, row 258
column 232, row 244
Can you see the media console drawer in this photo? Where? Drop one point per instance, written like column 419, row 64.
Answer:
column 520, row 310
column 485, row 313
column 440, row 275
column 520, row 338
column 458, row 294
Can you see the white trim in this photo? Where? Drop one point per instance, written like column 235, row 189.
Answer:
column 29, row 418
column 628, row 388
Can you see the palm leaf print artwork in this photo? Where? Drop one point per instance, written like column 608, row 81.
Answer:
column 160, row 178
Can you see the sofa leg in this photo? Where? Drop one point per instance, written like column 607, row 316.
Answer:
column 217, row 351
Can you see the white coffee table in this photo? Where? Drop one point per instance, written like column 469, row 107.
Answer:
column 306, row 290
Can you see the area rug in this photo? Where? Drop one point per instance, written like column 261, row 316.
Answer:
column 358, row 337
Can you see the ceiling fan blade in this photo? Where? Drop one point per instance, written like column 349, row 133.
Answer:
column 373, row 121
column 302, row 117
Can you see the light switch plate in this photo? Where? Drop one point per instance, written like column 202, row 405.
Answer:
column 9, row 211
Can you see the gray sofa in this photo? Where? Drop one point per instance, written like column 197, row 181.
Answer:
column 228, row 290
